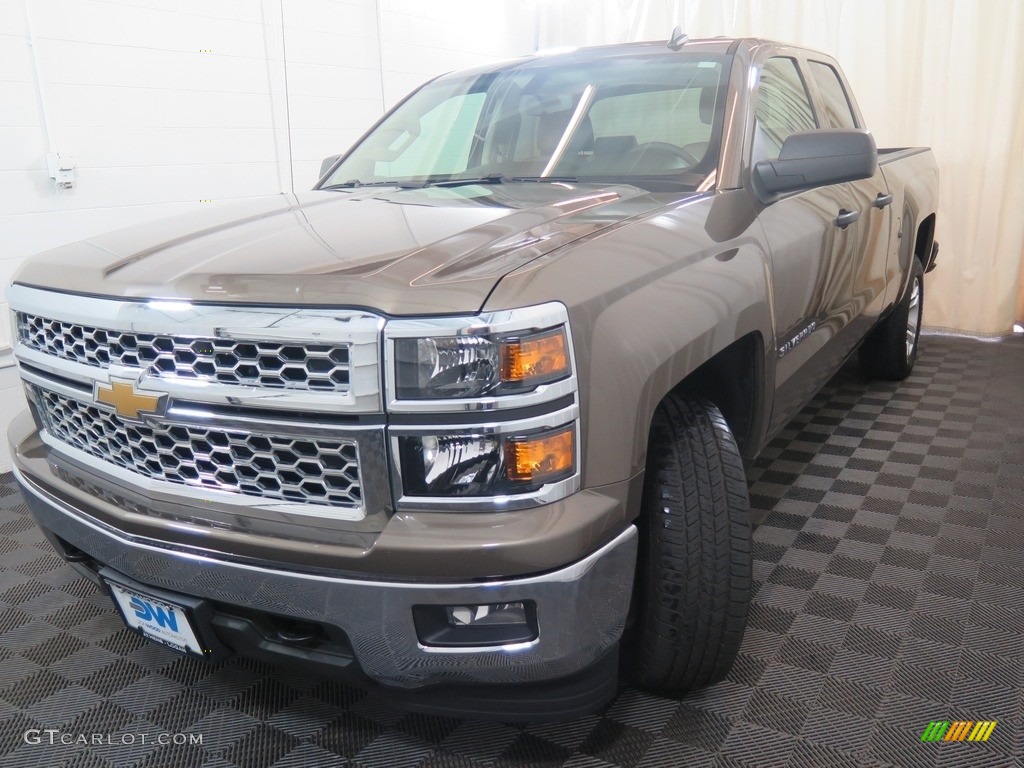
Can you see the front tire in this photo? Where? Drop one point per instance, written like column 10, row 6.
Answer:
column 694, row 568
column 890, row 350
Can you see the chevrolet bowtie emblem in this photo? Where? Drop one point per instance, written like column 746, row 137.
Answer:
column 128, row 401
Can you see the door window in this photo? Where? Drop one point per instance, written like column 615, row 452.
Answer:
column 835, row 102
column 783, row 107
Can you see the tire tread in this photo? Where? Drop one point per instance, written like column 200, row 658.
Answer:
column 696, row 588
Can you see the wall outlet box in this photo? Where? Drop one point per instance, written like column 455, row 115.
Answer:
column 62, row 169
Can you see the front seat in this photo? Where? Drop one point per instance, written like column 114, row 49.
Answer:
column 550, row 129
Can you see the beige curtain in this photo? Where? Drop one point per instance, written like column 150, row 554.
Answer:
column 944, row 73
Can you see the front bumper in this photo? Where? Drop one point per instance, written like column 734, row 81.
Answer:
column 581, row 608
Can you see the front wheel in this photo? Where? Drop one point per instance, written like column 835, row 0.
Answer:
column 694, row 567
column 890, row 350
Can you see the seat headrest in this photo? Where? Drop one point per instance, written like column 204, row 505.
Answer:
column 614, row 145
column 707, row 104
column 551, row 127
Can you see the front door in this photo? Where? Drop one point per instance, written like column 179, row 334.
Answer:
column 813, row 240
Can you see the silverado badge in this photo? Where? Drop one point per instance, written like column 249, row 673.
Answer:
column 128, row 401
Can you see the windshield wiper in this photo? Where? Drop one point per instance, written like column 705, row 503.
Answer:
column 355, row 183
column 549, row 179
column 497, row 178
column 494, row 178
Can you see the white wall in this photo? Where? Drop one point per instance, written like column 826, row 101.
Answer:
column 171, row 105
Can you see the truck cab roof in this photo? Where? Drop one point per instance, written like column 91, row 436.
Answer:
column 576, row 55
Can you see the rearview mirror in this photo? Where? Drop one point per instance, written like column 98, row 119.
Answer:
column 815, row 159
column 325, row 166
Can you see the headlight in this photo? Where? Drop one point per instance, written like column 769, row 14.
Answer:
column 458, row 366
column 511, row 358
column 483, row 410
column 476, row 366
column 485, row 465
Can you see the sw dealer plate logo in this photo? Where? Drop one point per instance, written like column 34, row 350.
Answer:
column 158, row 620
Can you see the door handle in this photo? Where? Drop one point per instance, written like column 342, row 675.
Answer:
column 846, row 218
column 882, row 200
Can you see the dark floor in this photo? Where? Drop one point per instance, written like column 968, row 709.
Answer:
column 890, row 593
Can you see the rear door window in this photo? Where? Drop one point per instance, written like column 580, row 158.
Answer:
column 835, row 102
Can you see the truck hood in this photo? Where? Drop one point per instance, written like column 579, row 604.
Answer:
column 399, row 251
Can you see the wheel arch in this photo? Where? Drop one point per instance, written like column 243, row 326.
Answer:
column 736, row 377
column 730, row 380
column 924, row 239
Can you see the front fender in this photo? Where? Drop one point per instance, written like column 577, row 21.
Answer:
column 653, row 340
column 649, row 303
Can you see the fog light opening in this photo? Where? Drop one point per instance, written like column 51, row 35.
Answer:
column 493, row 614
column 484, row 625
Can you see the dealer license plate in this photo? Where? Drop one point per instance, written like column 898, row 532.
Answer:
column 157, row 619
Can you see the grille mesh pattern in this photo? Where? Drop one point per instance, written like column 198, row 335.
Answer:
column 301, row 470
column 322, row 367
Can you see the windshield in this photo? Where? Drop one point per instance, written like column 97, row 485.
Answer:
column 624, row 118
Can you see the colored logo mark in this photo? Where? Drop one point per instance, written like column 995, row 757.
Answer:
column 128, row 401
column 958, row 730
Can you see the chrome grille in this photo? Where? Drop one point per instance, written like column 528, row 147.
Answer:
column 301, row 470
column 291, row 365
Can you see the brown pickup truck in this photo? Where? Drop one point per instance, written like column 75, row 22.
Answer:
column 469, row 420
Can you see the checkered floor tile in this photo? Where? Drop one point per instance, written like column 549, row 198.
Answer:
column 889, row 574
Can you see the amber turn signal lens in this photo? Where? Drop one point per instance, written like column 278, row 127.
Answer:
column 535, row 359
column 541, row 458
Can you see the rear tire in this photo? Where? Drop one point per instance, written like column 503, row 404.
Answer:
column 694, row 567
column 890, row 350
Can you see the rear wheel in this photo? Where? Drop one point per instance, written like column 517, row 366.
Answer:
column 694, row 568
column 890, row 350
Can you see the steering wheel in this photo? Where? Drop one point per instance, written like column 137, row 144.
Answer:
column 662, row 155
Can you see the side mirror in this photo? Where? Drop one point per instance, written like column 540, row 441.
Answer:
column 325, row 166
column 815, row 159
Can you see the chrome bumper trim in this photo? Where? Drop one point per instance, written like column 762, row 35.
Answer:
column 581, row 608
